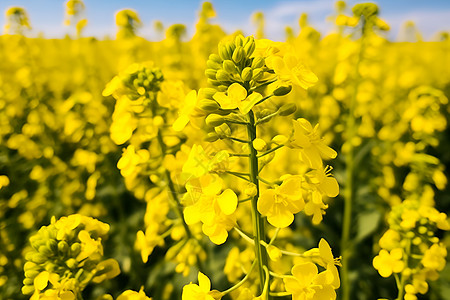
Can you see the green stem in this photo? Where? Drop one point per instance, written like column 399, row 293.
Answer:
column 258, row 221
column 237, row 285
column 346, row 247
column 400, row 286
column 176, row 201
column 270, row 151
column 238, row 175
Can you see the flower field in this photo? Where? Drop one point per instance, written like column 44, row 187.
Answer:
column 224, row 165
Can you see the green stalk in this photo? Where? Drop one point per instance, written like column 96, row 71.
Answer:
column 346, row 247
column 257, row 219
column 172, row 191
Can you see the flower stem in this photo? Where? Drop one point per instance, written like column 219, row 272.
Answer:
column 176, row 201
column 257, row 219
column 346, row 247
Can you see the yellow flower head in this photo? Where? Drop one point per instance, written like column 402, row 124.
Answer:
column 200, row 291
column 307, row 283
column 289, row 69
column 389, row 262
column 312, row 147
column 280, row 204
column 236, row 97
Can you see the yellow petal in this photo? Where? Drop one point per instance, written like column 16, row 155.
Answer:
column 330, row 186
column 237, row 92
column 266, row 201
column 191, row 215
column 227, row 202
column 281, row 217
column 180, row 123
column 41, row 280
column 246, row 105
column 204, row 282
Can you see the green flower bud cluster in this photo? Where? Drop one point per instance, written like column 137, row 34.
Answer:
column 235, row 63
column 71, row 250
column 369, row 12
column 143, row 81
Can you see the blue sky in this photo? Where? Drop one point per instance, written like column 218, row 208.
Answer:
column 47, row 15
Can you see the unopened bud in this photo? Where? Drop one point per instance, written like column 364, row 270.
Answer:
column 208, row 105
column 282, row 90
column 206, row 93
column 258, row 62
column 75, row 249
column 216, row 58
column 250, row 190
column 211, row 137
column 250, row 46
column 223, row 130
column 238, row 54
column 258, row 74
column 211, row 73
column 223, row 51
column 247, row 74
column 213, row 64
column 287, row 109
column 71, row 263
column 239, row 41
column 259, row 144
column 229, row 66
column 214, row 120
column 222, row 75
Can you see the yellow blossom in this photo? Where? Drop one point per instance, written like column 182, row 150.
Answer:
column 291, row 70
column 200, row 291
column 307, row 283
column 312, row 147
column 389, row 262
column 236, row 97
column 280, row 204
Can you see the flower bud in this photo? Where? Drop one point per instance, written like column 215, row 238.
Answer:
column 53, row 245
column 282, row 90
column 259, row 144
column 213, row 82
column 287, row 109
column 214, row 120
column 222, row 75
column 250, row 46
column 210, row 73
column 216, row 58
column 258, row 74
column 250, row 190
column 223, row 130
column 208, row 105
column 247, row 74
column 239, row 41
column 28, row 289
column 31, row 273
column 223, row 51
column 236, row 117
column 211, row 137
column 213, row 65
column 63, row 247
column 44, row 250
column 229, row 66
column 258, row 62
column 71, row 263
column 38, row 258
column 238, row 54
column 206, row 93
column 75, row 249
